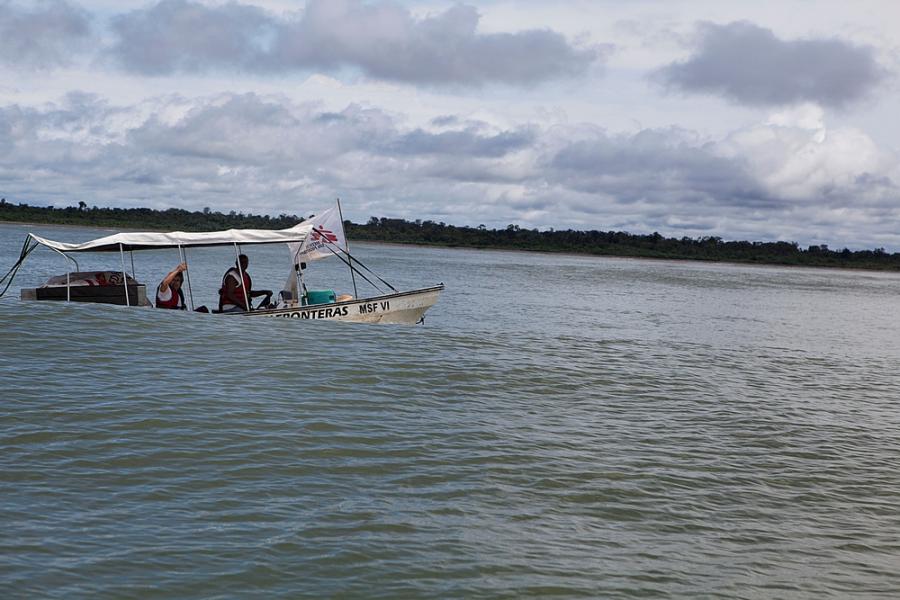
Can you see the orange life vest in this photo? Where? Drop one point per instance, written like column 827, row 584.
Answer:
column 176, row 301
column 238, row 291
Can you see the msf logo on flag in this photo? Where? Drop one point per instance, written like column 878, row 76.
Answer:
column 326, row 233
column 320, row 234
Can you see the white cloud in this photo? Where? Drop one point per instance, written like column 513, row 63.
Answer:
column 234, row 151
column 272, row 106
column 795, row 156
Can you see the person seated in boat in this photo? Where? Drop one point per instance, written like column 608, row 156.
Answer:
column 232, row 296
column 168, row 292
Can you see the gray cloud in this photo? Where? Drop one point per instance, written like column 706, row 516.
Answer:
column 445, row 120
column 461, row 143
column 385, row 41
column 229, row 151
column 232, row 129
column 655, row 164
column 750, row 65
column 43, row 36
column 179, row 35
column 247, row 152
column 380, row 40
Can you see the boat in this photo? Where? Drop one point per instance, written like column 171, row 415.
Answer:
column 319, row 237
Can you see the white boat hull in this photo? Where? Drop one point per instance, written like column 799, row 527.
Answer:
column 403, row 308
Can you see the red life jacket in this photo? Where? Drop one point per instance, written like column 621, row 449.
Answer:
column 176, row 301
column 238, row 291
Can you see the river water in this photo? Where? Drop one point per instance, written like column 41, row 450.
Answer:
column 560, row 426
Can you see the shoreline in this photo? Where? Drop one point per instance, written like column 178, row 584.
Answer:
column 38, row 224
column 520, row 250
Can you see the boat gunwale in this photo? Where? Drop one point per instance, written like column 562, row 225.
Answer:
column 274, row 311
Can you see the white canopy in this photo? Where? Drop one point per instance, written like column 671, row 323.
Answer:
column 154, row 240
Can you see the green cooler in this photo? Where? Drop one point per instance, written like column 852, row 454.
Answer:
column 320, row 297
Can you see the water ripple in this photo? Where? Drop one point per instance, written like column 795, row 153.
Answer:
column 630, row 445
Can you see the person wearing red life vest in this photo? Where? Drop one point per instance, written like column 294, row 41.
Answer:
column 168, row 293
column 235, row 282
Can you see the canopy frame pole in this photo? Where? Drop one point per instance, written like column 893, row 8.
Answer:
column 183, row 254
column 295, row 269
column 68, row 272
column 300, row 287
column 124, row 275
column 237, row 260
column 133, row 273
column 302, row 292
column 347, row 249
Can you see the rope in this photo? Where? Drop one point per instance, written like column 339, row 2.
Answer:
column 11, row 274
column 369, row 281
column 329, row 243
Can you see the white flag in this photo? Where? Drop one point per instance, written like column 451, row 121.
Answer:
column 327, row 235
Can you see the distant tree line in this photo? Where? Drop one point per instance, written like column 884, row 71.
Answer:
column 513, row 237
column 619, row 243
column 170, row 219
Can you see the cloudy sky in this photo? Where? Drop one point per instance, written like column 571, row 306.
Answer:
column 765, row 120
